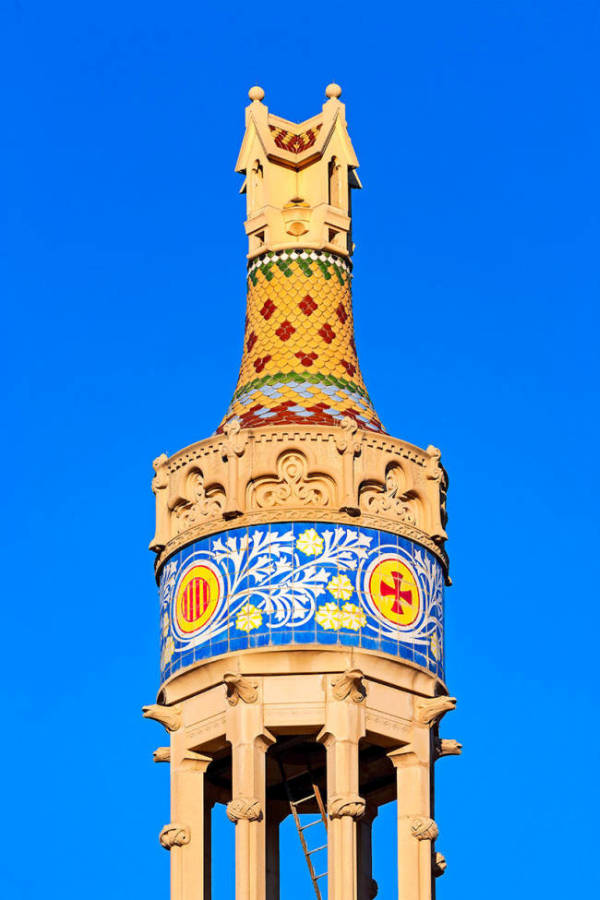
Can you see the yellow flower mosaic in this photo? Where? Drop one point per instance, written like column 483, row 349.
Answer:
column 248, row 618
column 340, row 587
column 168, row 651
column 328, row 616
column 352, row 617
column 435, row 646
column 310, row 543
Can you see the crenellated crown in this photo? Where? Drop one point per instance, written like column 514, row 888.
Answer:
column 298, row 178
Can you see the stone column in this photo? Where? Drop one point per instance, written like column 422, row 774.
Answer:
column 344, row 727
column 184, row 836
column 276, row 813
column 416, row 828
column 249, row 741
column 367, row 886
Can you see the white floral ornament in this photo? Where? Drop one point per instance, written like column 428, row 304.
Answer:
column 248, row 618
column 340, row 587
column 352, row 616
column 328, row 616
column 310, row 542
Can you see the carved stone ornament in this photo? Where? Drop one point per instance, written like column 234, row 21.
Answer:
column 349, row 805
column 200, row 501
column 162, row 754
column 349, row 684
column 236, row 439
column 428, row 711
column 174, row 836
column 439, row 865
column 240, row 688
column 350, row 439
column 169, row 716
column 244, row 808
column 291, row 486
column 393, row 498
column 447, row 747
column 423, row 828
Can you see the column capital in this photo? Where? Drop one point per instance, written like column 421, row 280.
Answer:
column 249, row 808
column 174, row 835
column 347, row 805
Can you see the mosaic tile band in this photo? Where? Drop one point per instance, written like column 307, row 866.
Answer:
column 301, row 583
column 299, row 364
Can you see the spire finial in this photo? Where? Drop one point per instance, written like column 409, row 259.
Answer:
column 256, row 93
column 333, row 90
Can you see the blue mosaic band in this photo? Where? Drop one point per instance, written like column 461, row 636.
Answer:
column 302, row 583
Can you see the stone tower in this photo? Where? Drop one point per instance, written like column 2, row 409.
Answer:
column 301, row 565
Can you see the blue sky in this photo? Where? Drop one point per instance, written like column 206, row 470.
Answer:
column 476, row 294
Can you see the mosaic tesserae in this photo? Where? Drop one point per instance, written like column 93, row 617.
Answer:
column 301, row 567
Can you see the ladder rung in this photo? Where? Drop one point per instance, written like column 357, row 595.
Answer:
column 310, row 824
column 304, row 799
column 316, row 850
column 322, row 875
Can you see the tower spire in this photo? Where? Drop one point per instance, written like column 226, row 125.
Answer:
column 299, row 362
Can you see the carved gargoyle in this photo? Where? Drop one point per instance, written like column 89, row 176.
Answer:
column 162, row 754
column 240, row 688
column 349, row 684
column 431, row 710
column 447, row 747
column 169, row 716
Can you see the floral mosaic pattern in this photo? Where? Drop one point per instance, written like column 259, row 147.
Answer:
column 301, row 583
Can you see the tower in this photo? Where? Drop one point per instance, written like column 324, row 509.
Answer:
column 301, row 566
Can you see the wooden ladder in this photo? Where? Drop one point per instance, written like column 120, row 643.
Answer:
column 294, row 804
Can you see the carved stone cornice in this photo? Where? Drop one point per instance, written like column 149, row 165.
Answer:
column 173, row 835
column 340, row 474
column 244, row 808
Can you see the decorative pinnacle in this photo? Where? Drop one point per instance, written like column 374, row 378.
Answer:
column 256, row 93
column 332, row 90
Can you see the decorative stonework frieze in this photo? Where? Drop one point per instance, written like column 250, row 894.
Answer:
column 349, row 685
column 423, row 828
column 348, row 805
column 244, row 808
column 240, row 688
column 428, row 711
column 291, row 486
column 169, row 716
column 173, row 835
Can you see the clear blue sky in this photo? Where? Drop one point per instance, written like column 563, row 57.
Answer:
column 476, row 293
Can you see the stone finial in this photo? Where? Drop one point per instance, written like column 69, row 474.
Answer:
column 173, row 835
column 447, row 747
column 349, row 684
column 348, row 805
column 439, row 865
column 429, row 710
column 240, row 688
column 333, row 90
column 169, row 716
column 423, row 828
column 162, row 754
column 256, row 93
column 244, row 808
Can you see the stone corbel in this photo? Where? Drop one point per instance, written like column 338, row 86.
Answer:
column 169, row 716
column 428, row 711
column 350, row 685
column 350, row 805
column 447, row 747
column 244, row 808
column 423, row 828
column 349, row 444
column 439, row 865
column 435, row 472
column 163, row 517
column 173, row 835
column 235, row 447
column 195, row 762
column 162, row 754
column 240, row 688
